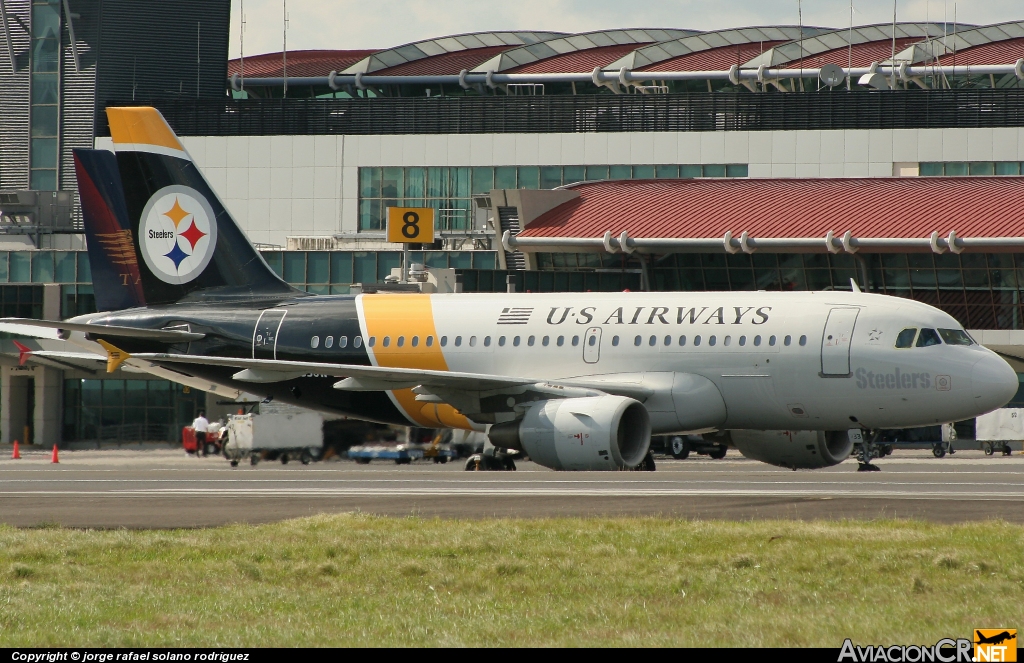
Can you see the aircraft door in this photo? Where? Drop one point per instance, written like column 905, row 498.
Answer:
column 264, row 337
column 835, row 342
column 592, row 345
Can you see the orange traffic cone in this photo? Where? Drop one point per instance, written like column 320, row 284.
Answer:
column 54, row 459
column 17, row 452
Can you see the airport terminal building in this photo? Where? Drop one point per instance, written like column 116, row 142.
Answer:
column 755, row 158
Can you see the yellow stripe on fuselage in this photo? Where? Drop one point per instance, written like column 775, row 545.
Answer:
column 409, row 316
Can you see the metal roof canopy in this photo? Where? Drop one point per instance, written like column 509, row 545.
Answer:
column 705, row 41
column 393, row 57
column 933, row 49
column 836, row 39
column 523, row 55
column 813, row 215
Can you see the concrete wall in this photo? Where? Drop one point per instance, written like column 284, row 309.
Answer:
column 281, row 186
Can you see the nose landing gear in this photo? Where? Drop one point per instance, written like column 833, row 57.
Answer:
column 868, row 450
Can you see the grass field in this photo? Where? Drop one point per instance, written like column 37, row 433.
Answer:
column 362, row 580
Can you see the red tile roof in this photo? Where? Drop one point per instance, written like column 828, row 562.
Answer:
column 713, row 59
column 787, row 208
column 300, row 63
column 998, row 52
column 863, row 54
column 444, row 64
column 577, row 61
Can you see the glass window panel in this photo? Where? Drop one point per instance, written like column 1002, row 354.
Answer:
column 65, row 267
column 714, row 170
column 341, row 267
column 818, row 279
column 392, row 182
column 45, row 55
column 44, row 153
column 665, row 171
column 42, row 267
column 113, row 393
column 505, row 177
column 369, row 215
column 483, row 180
column 982, row 168
column 386, row 261
column 295, row 266
column 44, row 121
column 973, row 260
column 91, row 390
column 1007, row 168
column 437, row 182
column 550, row 177
column 459, row 182
column 955, row 168
column 318, row 267
column 643, row 172
column 573, row 174
column 690, row 171
column 620, row 172
column 274, row 260
column 43, row 180
column 135, row 393
column 415, row 185
column 365, row 267
column 949, row 278
column 460, row 259
column 84, row 269
column 437, row 259
column 597, row 173
column 736, row 170
column 46, row 20
column 159, row 394
column 369, row 182
column 930, row 168
column 975, row 278
column 484, row 260
column 44, row 88
column 529, row 177
column 21, row 267
column 3, row 266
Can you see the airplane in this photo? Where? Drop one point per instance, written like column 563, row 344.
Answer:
column 578, row 381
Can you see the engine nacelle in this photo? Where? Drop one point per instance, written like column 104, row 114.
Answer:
column 795, row 449
column 593, row 433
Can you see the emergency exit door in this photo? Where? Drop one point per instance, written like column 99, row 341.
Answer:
column 592, row 345
column 264, row 337
column 835, row 342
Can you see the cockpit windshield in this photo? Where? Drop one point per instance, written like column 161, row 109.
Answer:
column 905, row 339
column 956, row 337
column 928, row 337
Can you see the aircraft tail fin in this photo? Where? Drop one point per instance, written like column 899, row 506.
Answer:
column 186, row 244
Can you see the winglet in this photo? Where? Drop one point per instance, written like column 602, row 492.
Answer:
column 115, row 355
column 853, row 284
column 23, row 353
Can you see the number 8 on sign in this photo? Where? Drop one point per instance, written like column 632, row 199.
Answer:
column 411, row 225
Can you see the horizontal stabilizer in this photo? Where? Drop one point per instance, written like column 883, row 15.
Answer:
column 63, row 330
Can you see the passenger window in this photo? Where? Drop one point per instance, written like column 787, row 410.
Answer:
column 712, row 340
column 515, row 341
column 593, row 341
column 575, row 341
column 787, row 341
column 373, row 341
column 757, row 340
column 771, row 340
column 530, row 341
column 956, row 337
column 637, row 341
column 357, row 341
column 743, row 341
column 314, row 342
column 653, row 341
column 615, row 340
column 329, row 342
column 444, row 341
column 682, row 341
column 545, row 341
column 560, row 341
column 458, row 341
column 430, row 341
column 401, row 341
column 472, row 341
column 487, row 341
column 387, row 341
column 905, row 339
column 668, row 340
column 415, row 341
column 727, row 340
column 343, row 341
column 696, row 340
column 803, row 340
column 501, row 341
column 928, row 337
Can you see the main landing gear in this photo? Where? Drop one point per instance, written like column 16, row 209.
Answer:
column 868, row 450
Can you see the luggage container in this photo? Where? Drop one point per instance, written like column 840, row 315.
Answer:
column 275, row 437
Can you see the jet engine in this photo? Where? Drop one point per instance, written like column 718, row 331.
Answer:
column 797, row 449
column 592, row 433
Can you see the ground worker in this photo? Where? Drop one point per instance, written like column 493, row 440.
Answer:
column 201, row 425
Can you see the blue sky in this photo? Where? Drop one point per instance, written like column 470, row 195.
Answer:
column 355, row 24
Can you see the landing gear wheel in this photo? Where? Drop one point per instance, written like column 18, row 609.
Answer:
column 442, row 459
column 285, row 459
column 989, row 450
column 868, row 467
column 679, row 448
column 719, row 452
column 305, row 458
column 938, row 451
column 646, row 465
column 1007, row 450
column 254, row 459
column 234, row 462
column 508, row 465
column 473, row 463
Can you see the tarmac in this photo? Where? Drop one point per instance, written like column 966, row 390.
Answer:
column 169, row 489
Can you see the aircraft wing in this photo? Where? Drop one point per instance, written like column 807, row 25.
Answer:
column 377, row 378
column 58, row 329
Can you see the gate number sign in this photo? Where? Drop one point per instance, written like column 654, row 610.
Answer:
column 411, row 225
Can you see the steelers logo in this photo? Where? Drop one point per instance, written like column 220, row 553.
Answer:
column 177, row 234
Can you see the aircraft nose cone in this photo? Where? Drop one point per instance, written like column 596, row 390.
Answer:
column 994, row 383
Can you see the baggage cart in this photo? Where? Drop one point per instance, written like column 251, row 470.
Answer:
column 283, row 437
